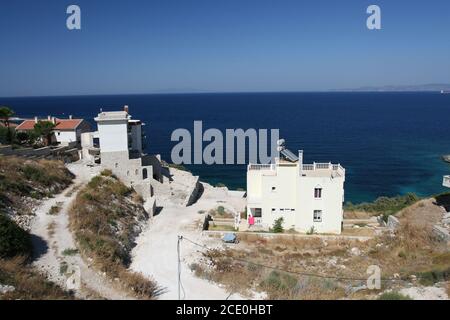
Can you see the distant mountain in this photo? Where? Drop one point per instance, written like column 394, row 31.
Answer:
column 402, row 88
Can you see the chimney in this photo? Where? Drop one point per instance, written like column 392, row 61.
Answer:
column 35, row 119
column 125, row 108
column 70, row 117
column 54, row 120
column 49, row 118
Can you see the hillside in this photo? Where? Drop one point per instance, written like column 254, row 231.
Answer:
column 23, row 183
column 105, row 218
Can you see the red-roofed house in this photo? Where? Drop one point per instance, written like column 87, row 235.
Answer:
column 66, row 130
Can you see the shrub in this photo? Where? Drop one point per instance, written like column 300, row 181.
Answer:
column 70, row 252
column 54, row 210
column 433, row 276
column 385, row 205
column 311, row 231
column 278, row 225
column 14, row 241
column 393, row 295
column 106, row 173
column 279, row 281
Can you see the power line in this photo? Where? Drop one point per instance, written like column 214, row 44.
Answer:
column 290, row 271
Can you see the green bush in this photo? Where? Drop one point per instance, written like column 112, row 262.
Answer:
column 14, row 241
column 431, row 277
column 385, row 205
column 279, row 281
column 394, row 296
column 278, row 225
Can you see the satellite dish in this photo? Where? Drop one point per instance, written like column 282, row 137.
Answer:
column 281, row 142
column 280, row 148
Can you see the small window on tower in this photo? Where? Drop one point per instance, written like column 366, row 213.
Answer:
column 317, row 215
column 317, row 193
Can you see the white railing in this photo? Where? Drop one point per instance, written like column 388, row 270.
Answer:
column 446, row 181
column 324, row 166
column 261, row 167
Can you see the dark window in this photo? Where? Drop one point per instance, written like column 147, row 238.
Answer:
column 317, row 215
column 258, row 213
column 317, row 193
column 274, row 188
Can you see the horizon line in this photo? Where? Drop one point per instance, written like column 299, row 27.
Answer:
column 221, row 92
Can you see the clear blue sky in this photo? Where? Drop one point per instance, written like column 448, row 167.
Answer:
column 217, row 45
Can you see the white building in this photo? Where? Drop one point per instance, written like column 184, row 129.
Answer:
column 446, row 181
column 65, row 132
column 306, row 196
column 118, row 146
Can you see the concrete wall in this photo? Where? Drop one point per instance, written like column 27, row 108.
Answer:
column 130, row 171
column 136, row 137
column 65, row 137
column 330, row 203
column 113, row 136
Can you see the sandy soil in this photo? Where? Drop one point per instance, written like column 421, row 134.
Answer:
column 51, row 236
column 156, row 251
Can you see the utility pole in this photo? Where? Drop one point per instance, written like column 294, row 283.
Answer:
column 179, row 266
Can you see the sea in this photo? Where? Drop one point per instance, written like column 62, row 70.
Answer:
column 389, row 143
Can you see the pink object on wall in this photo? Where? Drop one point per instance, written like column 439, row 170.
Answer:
column 251, row 220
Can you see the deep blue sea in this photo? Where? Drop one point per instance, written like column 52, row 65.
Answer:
column 390, row 143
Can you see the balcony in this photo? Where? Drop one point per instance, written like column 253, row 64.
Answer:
column 446, row 181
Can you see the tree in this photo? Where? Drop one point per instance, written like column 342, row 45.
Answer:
column 44, row 129
column 278, row 225
column 5, row 114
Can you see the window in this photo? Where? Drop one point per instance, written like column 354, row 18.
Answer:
column 116, row 165
column 317, row 193
column 274, row 188
column 273, row 209
column 257, row 212
column 317, row 215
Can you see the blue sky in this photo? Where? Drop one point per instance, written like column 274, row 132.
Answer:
column 217, row 45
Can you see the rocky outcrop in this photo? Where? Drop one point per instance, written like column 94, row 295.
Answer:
column 441, row 233
column 6, row 289
column 393, row 223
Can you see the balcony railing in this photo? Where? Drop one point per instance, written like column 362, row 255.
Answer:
column 446, row 181
column 261, row 167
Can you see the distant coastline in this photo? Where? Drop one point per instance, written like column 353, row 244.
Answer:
column 427, row 88
column 433, row 87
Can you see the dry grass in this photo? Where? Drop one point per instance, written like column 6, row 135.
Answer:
column 28, row 284
column 21, row 179
column 105, row 218
column 249, row 265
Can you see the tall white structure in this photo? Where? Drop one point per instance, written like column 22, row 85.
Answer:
column 118, row 146
column 307, row 196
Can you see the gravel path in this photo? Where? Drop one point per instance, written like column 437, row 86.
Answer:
column 51, row 236
column 156, row 252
